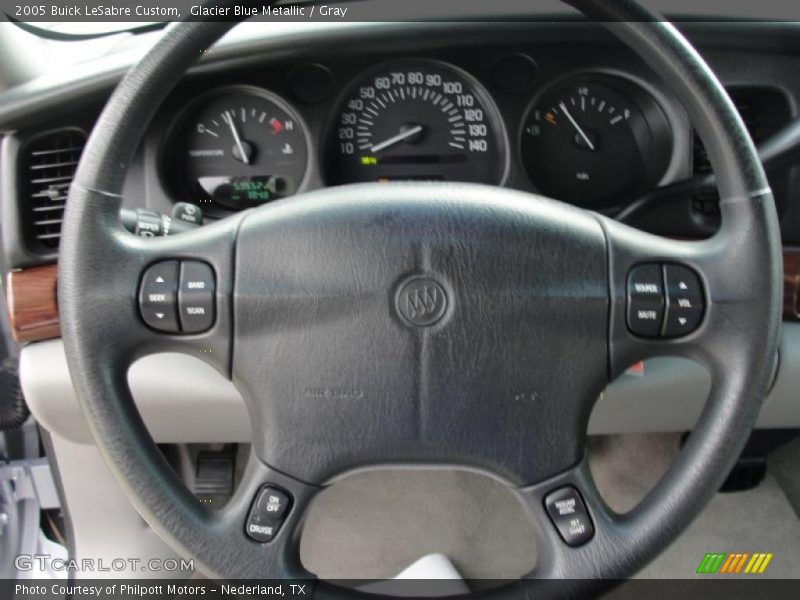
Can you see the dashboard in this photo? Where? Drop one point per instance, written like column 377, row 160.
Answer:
column 587, row 123
column 593, row 138
column 562, row 110
column 544, row 120
column 498, row 103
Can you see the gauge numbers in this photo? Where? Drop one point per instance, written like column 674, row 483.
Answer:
column 594, row 141
column 245, row 147
column 419, row 120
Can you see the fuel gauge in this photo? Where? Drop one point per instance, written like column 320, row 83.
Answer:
column 594, row 141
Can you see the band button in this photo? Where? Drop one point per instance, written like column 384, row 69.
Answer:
column 196, row 293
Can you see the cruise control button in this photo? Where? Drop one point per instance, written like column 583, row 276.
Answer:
column 569, row 515
column 158, row 296
column 685, row 303
column 273, row 502
column 267, row 514
column 646, row 300
column 196, row 296
column 261, row 529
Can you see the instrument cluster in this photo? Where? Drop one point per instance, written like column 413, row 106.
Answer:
column 592, row 138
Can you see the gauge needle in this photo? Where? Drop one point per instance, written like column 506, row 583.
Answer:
column 237, row 139
column 577, row 127
column 403, row 135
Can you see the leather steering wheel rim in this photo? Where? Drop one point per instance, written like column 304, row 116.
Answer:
column 740, row 269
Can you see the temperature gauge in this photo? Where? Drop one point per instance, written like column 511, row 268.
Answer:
column 244, row 147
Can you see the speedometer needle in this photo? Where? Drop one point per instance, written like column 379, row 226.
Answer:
column 577, row 127
column 403, row 135
column 229, row 120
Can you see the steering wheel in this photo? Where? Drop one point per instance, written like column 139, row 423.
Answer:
column 423, row 324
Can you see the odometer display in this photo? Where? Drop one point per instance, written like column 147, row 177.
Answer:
column 243, row 147
column 416, row 120
column 248, row 190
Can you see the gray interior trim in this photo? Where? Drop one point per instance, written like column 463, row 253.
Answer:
column 346, row 532
column 182, row 399
column 105, row 526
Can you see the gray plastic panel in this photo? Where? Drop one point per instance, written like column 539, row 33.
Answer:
column 668, row 396
column 104, row 525
column 182, row 399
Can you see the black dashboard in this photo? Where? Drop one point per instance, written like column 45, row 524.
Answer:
column 560, row 110
column 528, row 118
column 593, row 129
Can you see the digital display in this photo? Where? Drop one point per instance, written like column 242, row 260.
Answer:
column 250, row 190
column 243, row 147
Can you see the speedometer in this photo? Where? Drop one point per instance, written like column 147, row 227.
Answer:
column 416, row 120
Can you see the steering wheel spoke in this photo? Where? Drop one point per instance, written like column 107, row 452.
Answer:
column 575, row 529
column 684, row 298
column 260, row 526
column 155, row 295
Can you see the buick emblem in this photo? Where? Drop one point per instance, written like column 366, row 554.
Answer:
column 421, row 301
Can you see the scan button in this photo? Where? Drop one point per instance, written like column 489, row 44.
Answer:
column 196, row 296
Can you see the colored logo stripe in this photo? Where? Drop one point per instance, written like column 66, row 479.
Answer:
column 711, row 562
column 758, row 564
column 734, row 563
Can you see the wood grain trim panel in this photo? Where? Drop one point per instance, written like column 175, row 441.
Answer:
column 32, row 303
column 791, row 284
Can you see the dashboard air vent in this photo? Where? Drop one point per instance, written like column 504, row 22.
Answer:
column 48, row 166
column 764, row 111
